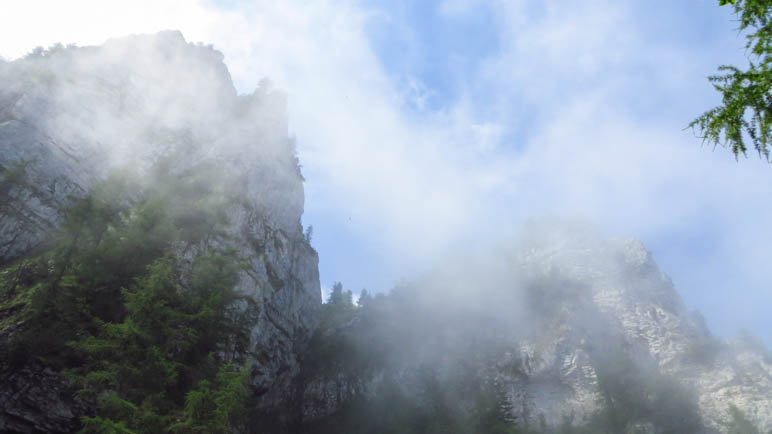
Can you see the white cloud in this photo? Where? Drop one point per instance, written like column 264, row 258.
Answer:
column 25, row 25
column 565, row 84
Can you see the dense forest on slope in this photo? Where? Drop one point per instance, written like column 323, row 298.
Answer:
column 133, row 302
column 154, row 274
column 371, row 338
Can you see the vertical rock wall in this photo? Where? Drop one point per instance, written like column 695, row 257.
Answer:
column 70, row 116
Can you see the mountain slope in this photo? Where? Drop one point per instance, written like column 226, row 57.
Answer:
column 69, row 117
column 569, row 328
column 560, row 329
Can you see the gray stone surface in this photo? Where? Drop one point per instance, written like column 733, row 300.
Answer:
column 640, row 305
column 70, row 116
column 561, row 303
column 34, row 399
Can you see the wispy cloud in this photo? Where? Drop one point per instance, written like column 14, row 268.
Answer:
column 578, row 111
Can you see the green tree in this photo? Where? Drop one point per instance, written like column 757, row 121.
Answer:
column 340, row 297
column 134, row 300
column 746, row 108
column 216, row 407
column 339, row 308
column 364, row 298
column 740, row 423
column 492, row 412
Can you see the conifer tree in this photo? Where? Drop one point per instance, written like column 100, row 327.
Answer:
column 745, row 112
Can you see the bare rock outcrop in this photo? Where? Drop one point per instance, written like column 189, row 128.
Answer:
column 567, row 322
column 70, row 116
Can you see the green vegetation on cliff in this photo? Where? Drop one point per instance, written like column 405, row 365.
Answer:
column 133, row 302
column 373, row 358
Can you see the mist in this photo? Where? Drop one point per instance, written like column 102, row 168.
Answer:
column 569, row 330
column 513, row 181
column 555, row 118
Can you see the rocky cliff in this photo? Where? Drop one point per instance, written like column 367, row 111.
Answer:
column 639, row 313
column 571, row 327
column 562, row 324
column 71, row 116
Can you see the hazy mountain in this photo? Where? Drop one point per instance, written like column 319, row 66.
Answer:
column 571, row 328
column 144, row 141
column 69, row 117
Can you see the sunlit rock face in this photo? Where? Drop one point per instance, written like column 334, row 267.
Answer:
column 640, row 312
column 71, row 116
column 561, row 318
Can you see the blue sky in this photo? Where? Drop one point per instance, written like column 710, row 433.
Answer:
column 428, row 127
column 435, row 58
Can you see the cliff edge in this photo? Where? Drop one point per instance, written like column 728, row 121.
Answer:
column 71, row 116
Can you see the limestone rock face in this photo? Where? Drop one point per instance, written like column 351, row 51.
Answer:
column 639, row 307
column 548, row 320
column 35, row 400
column 71, row 116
